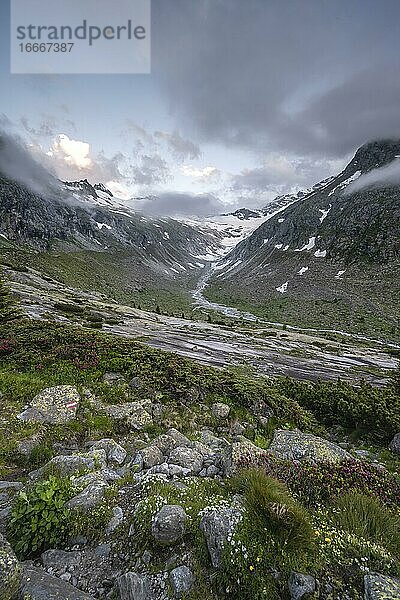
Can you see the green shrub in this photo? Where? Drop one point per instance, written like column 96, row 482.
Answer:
column 367, row 518
column 315, row 484
column 373, row 410
column 39, row 518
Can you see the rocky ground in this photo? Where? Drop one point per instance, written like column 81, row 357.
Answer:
column 131, row 473
column 143, row 549
column 137, row 482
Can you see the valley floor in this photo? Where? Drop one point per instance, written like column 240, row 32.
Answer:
column 269, row 349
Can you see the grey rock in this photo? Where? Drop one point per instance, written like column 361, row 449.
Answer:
column 295, row 445
column 180, row 439
column 395, row 444
column 115, row 454
column 212, row 470
column 233, row 456
column 136, row 383
column 36, row 584
column 182, row 580
column 177, row 471
column 10, row 486
column 165, row 443
column 25, row 447
column 237, row 429
column 220, row 410
column 65, row 466
column 8, row 491
column 381, row 587
column 66, row 448
column 201, row 448
column 169, row 524
column 116, row 519
column 113, row 378
column 215, row 443
column 89, row 498
column 151, row 456
column 10, row 570
column 141, row 586
column 137, row 463
column 300, row 585
column 102, row 551
column 187, row 458
column 60, row 559
column 82, row 482
column 136, row 414
column 109, row 475
column 56, row 405
column 162, row 469
column 217, row 524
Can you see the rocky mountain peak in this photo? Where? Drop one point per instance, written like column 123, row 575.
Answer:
column 102, row 188
column 373, row 155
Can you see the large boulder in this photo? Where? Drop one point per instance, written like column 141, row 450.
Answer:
column 182, row 580
column 165, row 443
column 169, row 524
column 297, row 446
column 217, row 524
column 188, row 458
column 300, row 585
column 381, row 587
column 180, row 439
column 36, row 584
column 55, row 405
column 10, row 571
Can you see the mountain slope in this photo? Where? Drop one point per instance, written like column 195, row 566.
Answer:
column 330, row 259
column 80, row 240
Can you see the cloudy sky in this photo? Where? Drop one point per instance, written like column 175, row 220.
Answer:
column 246, row 100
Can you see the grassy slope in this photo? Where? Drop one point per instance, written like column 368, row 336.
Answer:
column 118, row 275
column 318, row 300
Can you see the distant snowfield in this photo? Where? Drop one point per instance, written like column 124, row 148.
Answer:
column 229, row 230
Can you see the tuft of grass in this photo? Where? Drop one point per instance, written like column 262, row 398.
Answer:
column 270, row 507
column 367, row 518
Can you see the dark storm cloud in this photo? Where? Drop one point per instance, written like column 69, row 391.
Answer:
column 180, row 204
column 311, row 77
